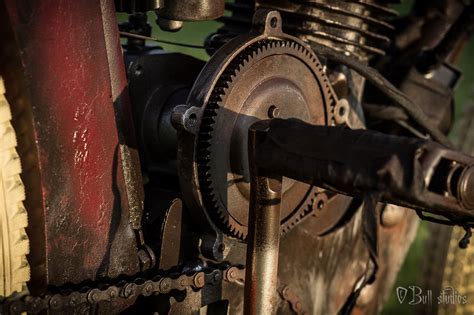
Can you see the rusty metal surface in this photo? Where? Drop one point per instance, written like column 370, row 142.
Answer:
column 87, row 300
column 410, row 172
column 321, row 260
column 263, row 239
column 278, row 70
column 192, row 10
column 359, row 28
column 74, row 76
column 383, row 173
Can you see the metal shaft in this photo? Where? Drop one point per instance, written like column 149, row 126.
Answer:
column 413, row 173
column 263, row 240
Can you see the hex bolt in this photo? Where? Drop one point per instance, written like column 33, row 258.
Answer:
column 466, row 188
column 217, row 277
column 186, row 118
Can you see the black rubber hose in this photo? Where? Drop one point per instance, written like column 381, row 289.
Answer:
column 374, row 77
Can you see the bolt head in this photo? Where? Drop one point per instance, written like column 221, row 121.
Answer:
column 217, row 277
column 466, row 188
column 392, row 215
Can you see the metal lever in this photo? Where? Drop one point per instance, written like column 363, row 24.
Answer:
column 409, row 172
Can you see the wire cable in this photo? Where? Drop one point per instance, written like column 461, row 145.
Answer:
column 374, row 77
column 132, row 35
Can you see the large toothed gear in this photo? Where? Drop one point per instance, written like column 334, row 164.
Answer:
column 261, row 77
column 14, row 268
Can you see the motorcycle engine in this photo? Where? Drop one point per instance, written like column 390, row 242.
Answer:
column 192, row 119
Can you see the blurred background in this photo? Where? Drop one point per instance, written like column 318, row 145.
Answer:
column 413, row 271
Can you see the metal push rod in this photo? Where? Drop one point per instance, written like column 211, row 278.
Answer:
column 409, row 172
column 263, row 240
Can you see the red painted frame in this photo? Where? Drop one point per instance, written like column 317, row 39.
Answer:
column 90, row 177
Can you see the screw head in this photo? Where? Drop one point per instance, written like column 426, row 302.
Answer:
column 217, row 277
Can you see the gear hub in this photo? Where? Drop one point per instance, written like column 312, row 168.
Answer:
column 249, row 79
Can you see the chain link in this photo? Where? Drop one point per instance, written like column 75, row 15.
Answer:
column 139, row 287
column 124, row 290
column 288, row 295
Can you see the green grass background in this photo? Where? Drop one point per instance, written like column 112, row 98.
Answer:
column 195, row 33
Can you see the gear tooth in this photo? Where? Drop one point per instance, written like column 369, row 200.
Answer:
column 206, row 128
column 212, row 107
column 217, row 100
column 224, row 217
column 206, row 136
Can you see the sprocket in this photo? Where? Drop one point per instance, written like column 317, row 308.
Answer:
column 272, row 75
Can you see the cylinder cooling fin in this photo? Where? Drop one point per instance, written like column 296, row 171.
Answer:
column 361, row 28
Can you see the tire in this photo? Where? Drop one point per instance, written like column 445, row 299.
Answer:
column 14, row 268
column 445, row 264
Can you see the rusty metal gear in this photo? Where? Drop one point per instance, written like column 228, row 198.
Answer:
column 231, row 216
column 265, row 77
